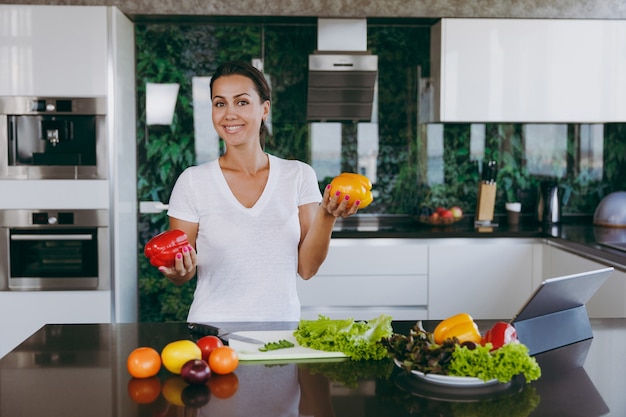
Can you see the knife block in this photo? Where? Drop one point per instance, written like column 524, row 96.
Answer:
column 486, row 202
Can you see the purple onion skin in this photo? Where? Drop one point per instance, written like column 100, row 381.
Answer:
column 195, row 372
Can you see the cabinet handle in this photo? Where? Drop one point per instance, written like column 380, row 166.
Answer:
column 52, row 237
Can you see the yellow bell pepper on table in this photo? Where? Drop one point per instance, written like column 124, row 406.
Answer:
column 461, row 326
column 356, row 186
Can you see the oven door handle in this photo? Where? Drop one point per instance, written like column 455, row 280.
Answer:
column 52, row 237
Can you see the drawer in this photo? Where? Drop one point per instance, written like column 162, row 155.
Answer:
column 364, row 291
column 375, row 257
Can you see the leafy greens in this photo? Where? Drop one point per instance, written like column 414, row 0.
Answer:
column 359, row 340
column 501, row 364
column 419, row 351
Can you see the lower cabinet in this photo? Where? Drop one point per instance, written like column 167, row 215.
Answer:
column 418, row 279
column 363, row 278
column 486, row 278
column 608, row 301
column 24, row 312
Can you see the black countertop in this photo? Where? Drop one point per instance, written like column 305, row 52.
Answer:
column 402, row 226
column 80, row 370
column 577, row 234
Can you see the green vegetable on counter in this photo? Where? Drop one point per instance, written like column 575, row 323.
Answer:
column 281, row 344
column 418, row 351
column 359, row 340
column 502, row 364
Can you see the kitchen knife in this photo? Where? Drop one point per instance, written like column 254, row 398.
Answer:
column 202, row 329
column 490, row 172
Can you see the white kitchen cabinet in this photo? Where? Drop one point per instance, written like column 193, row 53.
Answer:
column 24, row 312
column 55, row 51
column 363, row 278
column 487, row 278
column 527, row 70
column 608, row 301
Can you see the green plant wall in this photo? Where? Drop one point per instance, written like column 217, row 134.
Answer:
column 171, row 53
column 174, row 54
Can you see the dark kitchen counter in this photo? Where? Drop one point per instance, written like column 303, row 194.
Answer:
column 80, row 369
column 401, row 226
column 576, row 234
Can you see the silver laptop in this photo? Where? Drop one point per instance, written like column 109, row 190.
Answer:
column 562, row 293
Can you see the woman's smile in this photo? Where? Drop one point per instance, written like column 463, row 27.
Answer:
column 233, row 129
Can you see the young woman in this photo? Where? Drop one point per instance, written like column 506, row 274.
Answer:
column 255, row 222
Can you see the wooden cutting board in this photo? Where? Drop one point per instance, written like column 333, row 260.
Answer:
column 251, row 352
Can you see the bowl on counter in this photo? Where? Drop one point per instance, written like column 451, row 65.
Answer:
column 611, row 211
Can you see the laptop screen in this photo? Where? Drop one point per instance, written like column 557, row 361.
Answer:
column 562, row 293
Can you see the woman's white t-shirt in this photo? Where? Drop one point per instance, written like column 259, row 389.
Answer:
column 247, row 257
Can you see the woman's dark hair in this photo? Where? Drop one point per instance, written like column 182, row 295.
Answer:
column 260, row 85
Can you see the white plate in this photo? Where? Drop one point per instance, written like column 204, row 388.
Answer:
column 450, row 381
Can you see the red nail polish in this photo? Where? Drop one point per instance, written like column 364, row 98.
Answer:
column 357, row 202
column 347, row 197
column 328, row 187
column 179, row 256
column 338, row 193
column 185, row 249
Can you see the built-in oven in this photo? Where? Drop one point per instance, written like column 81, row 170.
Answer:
column 53, row 138
column 54, row 250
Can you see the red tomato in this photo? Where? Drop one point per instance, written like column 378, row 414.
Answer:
column 144, row 390
column 223, row 386
column 207, row 344
column 143, row 362
column 223, row 360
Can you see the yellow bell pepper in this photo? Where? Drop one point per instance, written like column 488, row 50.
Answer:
column 461, row 326
column 358, row 187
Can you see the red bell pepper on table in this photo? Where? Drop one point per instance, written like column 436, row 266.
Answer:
column 161, row 250
column 499, row 335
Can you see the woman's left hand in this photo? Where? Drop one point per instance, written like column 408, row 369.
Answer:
column 184, row 267
column 337, row 206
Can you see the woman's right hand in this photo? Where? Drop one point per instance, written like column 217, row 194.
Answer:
column 184, row 266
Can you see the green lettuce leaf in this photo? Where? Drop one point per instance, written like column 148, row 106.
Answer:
column 359, row 340
column 502, row 364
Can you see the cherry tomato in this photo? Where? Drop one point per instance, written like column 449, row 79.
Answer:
column 223, row 386
column 175, row 354
column 223, row 360
column 207, row 344
column 144, row 390
column 143, row 362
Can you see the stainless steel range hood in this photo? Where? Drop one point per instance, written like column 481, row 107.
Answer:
column 342, row 74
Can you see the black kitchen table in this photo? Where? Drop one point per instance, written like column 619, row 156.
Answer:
column 80, row 370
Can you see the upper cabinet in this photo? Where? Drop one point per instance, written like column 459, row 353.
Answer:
column 53, row 50
column 526, row 70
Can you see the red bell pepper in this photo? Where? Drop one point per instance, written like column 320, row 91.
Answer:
column 161, row 250
column 499, row 335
